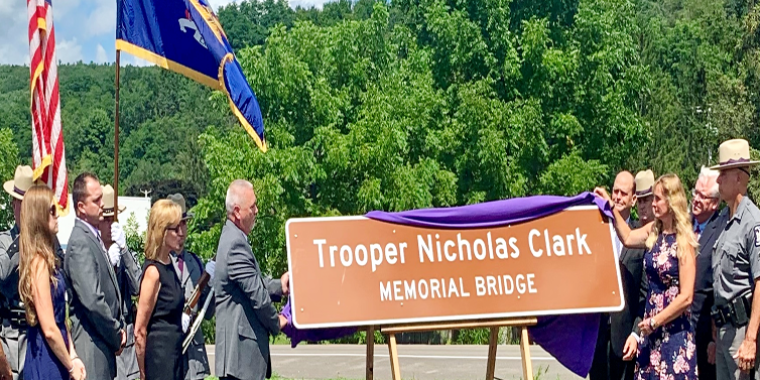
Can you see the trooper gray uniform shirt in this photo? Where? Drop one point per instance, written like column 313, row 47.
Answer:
column 12, row 335
column 736, row 266
column 736, row 258
column 128, row 276
column 189, row 275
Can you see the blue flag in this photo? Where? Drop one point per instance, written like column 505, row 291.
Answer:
column 185, row 36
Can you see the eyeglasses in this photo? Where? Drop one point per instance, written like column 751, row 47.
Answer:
column 178, row 227
column 698, row 195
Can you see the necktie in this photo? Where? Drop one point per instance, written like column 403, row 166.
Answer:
column 102, row 245
column 180, row 264
column 698, row 231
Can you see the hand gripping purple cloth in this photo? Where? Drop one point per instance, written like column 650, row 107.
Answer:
column 311, row 335
column 571, row 339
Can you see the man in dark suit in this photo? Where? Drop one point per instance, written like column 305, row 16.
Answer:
column 618, row 331
column 708, row 223
column 96, row 315
column 245, row 315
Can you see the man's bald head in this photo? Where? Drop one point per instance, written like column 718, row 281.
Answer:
column 623, row 194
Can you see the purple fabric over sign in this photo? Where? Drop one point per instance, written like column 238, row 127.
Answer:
column 571, row 339
column 491, row 214
column 299, row 335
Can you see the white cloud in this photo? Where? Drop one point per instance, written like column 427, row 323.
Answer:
column 68, row 51
column 102, row 19
column 62, row 8
column 14, row 48
column 101, row 56
column 130, row 60
column 215, row 4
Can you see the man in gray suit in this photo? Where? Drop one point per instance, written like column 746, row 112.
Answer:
column 245, row 315
column 708, row 223
column 96, row 313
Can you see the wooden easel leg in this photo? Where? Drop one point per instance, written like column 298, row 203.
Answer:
column 370, row 353
column 493, row 340
column 525, row 353
column 393, row 351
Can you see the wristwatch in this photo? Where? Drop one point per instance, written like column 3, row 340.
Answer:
column 652, row 323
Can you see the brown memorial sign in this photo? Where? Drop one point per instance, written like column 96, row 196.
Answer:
column 354, row 271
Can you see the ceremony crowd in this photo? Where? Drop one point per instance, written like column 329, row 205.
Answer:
column 107, row 335
column 688, row 273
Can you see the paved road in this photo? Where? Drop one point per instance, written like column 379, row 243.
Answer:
column 418, row 362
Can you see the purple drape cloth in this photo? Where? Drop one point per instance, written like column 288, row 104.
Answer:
column 571, row 339
column 491, row 214
column 299, row 335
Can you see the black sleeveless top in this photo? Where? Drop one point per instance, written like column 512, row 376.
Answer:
column 163, row 351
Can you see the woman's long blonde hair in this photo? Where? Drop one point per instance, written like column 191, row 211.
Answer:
column 677, row 205
column 36, row 240
column 163, row 214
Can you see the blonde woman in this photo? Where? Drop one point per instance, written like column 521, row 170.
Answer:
column 50, row 353
column 158, row 328
column 666, row 348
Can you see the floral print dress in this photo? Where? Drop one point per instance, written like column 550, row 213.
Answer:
column 669, row 353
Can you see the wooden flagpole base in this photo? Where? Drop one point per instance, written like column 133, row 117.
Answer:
column 493, row 324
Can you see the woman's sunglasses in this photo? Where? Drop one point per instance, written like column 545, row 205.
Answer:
column 177, row 227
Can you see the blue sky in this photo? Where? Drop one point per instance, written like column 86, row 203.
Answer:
column 85, row 30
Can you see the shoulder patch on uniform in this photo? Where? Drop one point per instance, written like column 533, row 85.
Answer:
column 757, row 236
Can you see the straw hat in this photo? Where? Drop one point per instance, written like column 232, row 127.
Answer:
column 108, row 201
column 644, row 183
column 21, row 182
column 180, row 200
column 734, row 154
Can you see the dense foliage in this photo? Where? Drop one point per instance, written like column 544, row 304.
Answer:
column 420, row 103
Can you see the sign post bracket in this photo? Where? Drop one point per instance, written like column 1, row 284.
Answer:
column 493, row 324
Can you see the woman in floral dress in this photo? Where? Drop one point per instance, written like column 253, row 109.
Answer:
column 666, row 348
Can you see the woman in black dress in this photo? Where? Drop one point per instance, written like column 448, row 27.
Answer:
column 158, row 328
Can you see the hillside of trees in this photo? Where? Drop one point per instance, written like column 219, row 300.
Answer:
column 419, row 103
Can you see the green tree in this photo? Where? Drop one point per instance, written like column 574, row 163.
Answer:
column 8, row 163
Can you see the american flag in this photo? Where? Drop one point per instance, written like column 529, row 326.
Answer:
column 48, row 155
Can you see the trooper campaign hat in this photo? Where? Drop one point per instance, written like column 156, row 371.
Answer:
column 22, row 181
column 180, row 200
column 734, row 154
column 644, row 183
column 108, row 201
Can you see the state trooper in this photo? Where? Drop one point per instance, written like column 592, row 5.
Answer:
column 189, row 268
column 12, row 313
column 128, row 274
column 736, row 267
